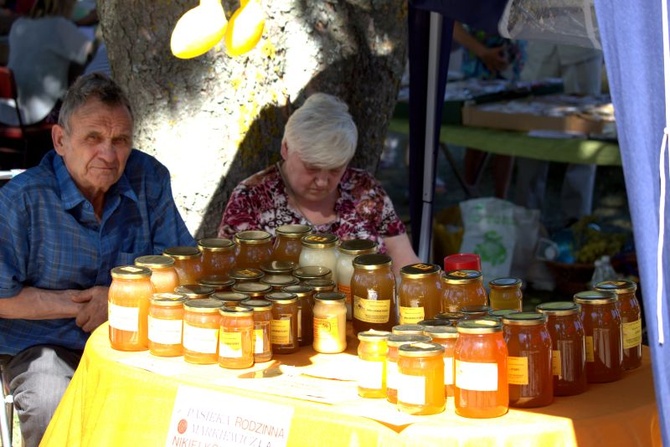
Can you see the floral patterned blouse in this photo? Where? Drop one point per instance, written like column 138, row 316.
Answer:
column 364, row 210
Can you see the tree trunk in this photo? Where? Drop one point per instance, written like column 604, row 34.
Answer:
column 214, row 120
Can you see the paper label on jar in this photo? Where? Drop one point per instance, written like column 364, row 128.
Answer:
column 371, row 375
column 230, row 345
column 326, row 329
column 411, row 389
column 259, row 341
column 556, row 369
column 517, row 370
column 476, row 376
column 411, row 315
column 391, row 375
column 165, row 332
column 632, row 334
column 202, row 340
column 124, row 318
column 448, row 370
column 280, row 330
column 590, row 357
column 371, row 311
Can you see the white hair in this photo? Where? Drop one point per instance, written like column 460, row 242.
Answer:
column 322, row 132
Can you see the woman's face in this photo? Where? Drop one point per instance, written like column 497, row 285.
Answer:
column 310, row 183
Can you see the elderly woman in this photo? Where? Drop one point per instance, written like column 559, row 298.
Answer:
column 314, row 185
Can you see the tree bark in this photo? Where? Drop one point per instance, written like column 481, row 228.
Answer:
column 214, row 120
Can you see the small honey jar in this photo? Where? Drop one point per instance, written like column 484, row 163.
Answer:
column 236, row 337
column 372, row 351
column 166, row 319
column 201, row 331
column 421, row 378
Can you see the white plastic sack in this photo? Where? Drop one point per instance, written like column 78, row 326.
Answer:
column 570, row 22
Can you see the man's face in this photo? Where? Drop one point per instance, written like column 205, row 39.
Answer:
column 95, row 145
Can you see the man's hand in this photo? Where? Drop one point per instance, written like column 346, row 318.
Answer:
column 493, row 59
column 94, row 310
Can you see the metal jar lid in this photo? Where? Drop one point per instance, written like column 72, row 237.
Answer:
column 330, row 297
column 505, row 283
column 478, row 327
column 312, row 272
column 462, row 276
column 373, row 335
column 203, row 305
column 558, row 308
column 355, row 247
column 168, row 299
column 524, row 319
column 236, row 311
column 258, row 305
column 195, row 290
column 278, row 267
column 282, row 297
column 396, row 340
column 293, row 231
column 252, row 237
column 182, row 252
column 130, row 272
column 419, row 270
column 595, row 297
column 253, row 289
column 441, row 332
column 618, row 286
column 245, row 274
column 372, row 261
column 230, row 297
column 407, row 329
column 320, row 240
column 216, row 244
column 421, row 350
column 154, row 261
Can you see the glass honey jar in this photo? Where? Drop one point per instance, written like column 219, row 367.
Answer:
column 419, row 292
column 220, row 283
column 462, row 288
column 346, row 252
column 631, row 319
column 284, row 324
column 128, row 300
column 194, row 291
column 421, row 378
column 394, row 342
column 163, row 274
column 236, row 337
column 529, row 361
column 505, row 293
column 305, row 317
column 372, row 351
column 569, row 347
column 373, row 288
column 330, row 323
column 230, row 298
column 262, row 319
column 187, row 263
column 165, row 323
column 481, row 389
column 603, row 335
column 254, row 290
column 218, row 255
column 447, row 337
column 278, row 282
column 201, row 331
column 245, row 274
column 319, row 249
column 252, row 248
column 287, row 244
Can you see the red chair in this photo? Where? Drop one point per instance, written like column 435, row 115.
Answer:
column 23, row 144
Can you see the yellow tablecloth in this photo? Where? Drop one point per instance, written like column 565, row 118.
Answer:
column 111, row 402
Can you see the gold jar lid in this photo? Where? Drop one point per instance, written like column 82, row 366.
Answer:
column 203, row 305
column 252, row 237
column 320, row 284
column 245, row 274
column 499, row 313
column 595, row 297
column 372, row 261
column 478, row 327
column 298, row 290
column 618, row 286
column 435, row 322
column 524, row 319
column 282, row 297
column 130, row 272
column 182, row 252
column 396, row 340
column 154, row 261
column 355, row 247
column 475, row 309
column 407, row 329
column 236, row 311
column 505, row 283
column 168, row 299
column 216, row 281
column 419, row 270
column 234, row 297
column 558, row 308
column 278, row 267
column 194, row 290
column 441, row 332
column 293, row 231
column 451, row 316
column 320, row 240
column 462, row 277
column 258, row 305
column 373, row 335
column 330, row 297
column 251, row 288
column 311, row 272
column 275, row 280
column 216, row 244
column 421, row 350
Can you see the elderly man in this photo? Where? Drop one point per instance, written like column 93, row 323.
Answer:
column 93, row 203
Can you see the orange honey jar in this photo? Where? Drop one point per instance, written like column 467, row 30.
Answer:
column 236, row 337
column 201, row 331
column 421, row 378
column 462, row 288
column 128, row 307
column 164, row 276
column 166, row 320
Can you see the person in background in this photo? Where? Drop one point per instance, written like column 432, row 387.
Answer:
column 314, row 185
column 93, row 203
column 42, row 47
column 581, row 71
column 489, row 56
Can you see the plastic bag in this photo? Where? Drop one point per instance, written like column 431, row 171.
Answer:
column 571, row 22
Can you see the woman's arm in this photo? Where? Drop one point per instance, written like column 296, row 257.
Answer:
column 401, row 252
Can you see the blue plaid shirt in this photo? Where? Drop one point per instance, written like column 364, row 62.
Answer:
column 51, row 239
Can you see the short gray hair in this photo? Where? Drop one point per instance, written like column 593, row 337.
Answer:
column 322, row 132
column 91, row 86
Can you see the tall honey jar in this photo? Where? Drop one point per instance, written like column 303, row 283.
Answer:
column 373, row 288
column 236, row 337
column 262, row 319
column 419, row 292
column 319, row 249
column 346, row 252
column 506, row 293
column 603, row 335
column 252, row 248
column 445, row 336
column 201, row 331
column 529, row 361
column 372, row 351
column 569, row 347
column 305, row 317
column 287, row 244
column 481, row 389
column 218, row 255
column 220, row 283
column 284, row 324
column 163, row 274
column 187, row 263
column 421, row 378
column 128, row 300
column 631, row 319
column 330, row 323
column 165, row 322
column 394, row 342
column 462, row 288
